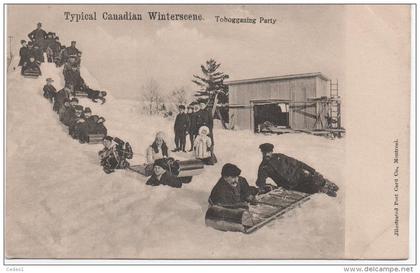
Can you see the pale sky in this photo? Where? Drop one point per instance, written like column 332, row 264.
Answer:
column 125, row 55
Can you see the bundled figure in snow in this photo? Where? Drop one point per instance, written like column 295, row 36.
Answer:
column 64, row 113
column 94, row 95
column 232, row 190
column 23, row 53
column 38, row 35
column 39, row 54
column 49, row 90
column 70, row 51
column 68, row 112
column 60, row 96
column 31, row 68
column 291, row 174
column 75, row 121
column 181, row 127
column 202, row 146
column 162, row 176
column 93, row 124
column 158, row 149
column 115, row 154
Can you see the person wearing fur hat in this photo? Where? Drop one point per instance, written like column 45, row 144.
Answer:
column 158, row 149
column 232, row 190
column 202, row 145
column 161, row 175
column 49, row 90
column 291, row 174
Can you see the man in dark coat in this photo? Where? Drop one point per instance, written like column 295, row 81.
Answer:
column 195, row 121
column 66, row 112
column 232, row 190
column 60, row 96
column 49, row 90
column 38, row 35
column 23, row 53
column 161, row 175
column 70, row 51
column 291, row 174
column 180, row 128
column 190, row 110
column 206, row 120
column 93, row 124
column 39, row 54
column 75, row 121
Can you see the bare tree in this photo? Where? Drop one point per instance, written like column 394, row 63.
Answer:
column 152, row 97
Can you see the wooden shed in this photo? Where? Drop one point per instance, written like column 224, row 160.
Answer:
column 298, row 102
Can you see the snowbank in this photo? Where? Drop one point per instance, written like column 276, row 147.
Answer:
column 60, row 204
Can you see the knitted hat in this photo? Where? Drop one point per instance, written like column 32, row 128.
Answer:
column 230, row 170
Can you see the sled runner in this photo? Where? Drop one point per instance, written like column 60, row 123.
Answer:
column 268, row 206
column 95, row 138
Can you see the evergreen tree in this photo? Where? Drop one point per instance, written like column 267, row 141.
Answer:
column 211, row 85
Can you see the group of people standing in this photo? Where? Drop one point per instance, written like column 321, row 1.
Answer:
column 197, row 122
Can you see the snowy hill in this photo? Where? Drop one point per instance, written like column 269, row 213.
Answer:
column 60, row 204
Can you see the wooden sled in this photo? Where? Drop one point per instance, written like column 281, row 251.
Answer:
column 268, row 207
column 95, row 138
column 31, row 74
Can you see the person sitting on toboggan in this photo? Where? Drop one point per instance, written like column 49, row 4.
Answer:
column 157, row 150
column 162, row 176
column 229, row 200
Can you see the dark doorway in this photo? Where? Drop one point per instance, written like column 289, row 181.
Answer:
column 275, row 115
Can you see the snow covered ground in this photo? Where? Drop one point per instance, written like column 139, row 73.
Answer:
column 60, row 204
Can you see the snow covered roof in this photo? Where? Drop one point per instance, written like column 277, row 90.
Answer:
column 275, row 78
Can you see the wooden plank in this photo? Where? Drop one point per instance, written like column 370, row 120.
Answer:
column 278, row 214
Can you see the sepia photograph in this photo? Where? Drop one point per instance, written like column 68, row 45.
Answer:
column 207, row 132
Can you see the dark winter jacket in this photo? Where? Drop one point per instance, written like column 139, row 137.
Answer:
column 195, row 121
column 181, row 123
column 288, row 173
column 59, row 98
column 49, row 91
column 39, row 55
column 70, row 51
column 66, row 114
column 166, row 179
column 24, row 55
column 37, row 34
column 206, row 119
column 223, row 194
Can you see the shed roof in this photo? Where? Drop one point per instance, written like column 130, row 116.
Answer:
column 275, row 78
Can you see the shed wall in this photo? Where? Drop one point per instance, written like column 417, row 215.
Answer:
column 297, row 91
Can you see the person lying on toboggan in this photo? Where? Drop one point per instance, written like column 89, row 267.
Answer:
column 115, row 153
column 291, row 174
